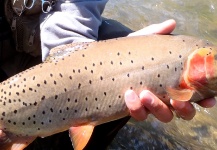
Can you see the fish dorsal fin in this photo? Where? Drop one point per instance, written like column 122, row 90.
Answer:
column 65, row 50
column 80, row 136
column 180, row 94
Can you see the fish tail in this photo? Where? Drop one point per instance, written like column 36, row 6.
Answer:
column 12, row 142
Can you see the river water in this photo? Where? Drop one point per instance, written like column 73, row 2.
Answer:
column 194, row 17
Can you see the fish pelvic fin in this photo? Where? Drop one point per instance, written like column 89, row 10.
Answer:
column 9, row 141
column 80, row 136
column 180, row 94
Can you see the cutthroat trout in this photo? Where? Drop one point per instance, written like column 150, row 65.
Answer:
column 82, row 85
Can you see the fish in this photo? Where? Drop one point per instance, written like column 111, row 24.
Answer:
column 82, row 85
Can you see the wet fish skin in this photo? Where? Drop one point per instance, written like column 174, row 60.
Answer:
column 84, row 83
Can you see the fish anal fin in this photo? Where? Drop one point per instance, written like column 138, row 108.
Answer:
column 180, row 94
column 9, row 141
column 80, row 136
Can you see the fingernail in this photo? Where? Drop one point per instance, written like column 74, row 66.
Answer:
column 147, row 96
column 130, row 95
column 178, row 104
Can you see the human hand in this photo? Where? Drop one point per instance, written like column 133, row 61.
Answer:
column 146, row 103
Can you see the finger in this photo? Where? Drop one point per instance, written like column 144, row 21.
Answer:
column 165, row 27
column 156, row 106
column 134, row 105
column 207, row 103
column 185, row 110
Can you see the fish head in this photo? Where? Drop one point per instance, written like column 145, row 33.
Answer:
column 201, row 69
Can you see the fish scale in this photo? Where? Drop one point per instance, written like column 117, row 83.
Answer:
column 84, row 83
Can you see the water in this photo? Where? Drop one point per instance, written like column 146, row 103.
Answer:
column 197, row 18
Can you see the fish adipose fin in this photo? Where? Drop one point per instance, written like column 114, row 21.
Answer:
column 12, row 142
column 180, row 94
column 80, row 136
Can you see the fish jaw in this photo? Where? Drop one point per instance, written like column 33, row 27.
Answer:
column 200, row 74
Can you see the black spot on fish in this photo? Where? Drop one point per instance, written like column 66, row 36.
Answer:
column 161, row 85
column 128, row 75
column 110, row 106
column 120, row 63
column 43, row 98
column 51, row 75
column 23, row 123
column 79, row 85
column 60, row 111
column 61, row 75
column 17, row 93
column 112, row 62
column 9, row 121
column 79, row 71
column 129, row 53
column 70, row 77
column 100, row 63
column 152, row 58
column 43, row 112
column 55, row 82
column 131, row 88
column 101, row 78
column 183, row 40
column 180, row 56
column 119, row 96
column 113, row 79
column 34, row 122
column 30, row 89
column 56, row 96
column 86, row 98
column 91, row 71
column 33, row 78
column 170, row 52
column 93, row 64
column 29, row 118
column 140, row 83
column 3, row 114
column 76, row 100
column 68, row 99
column 168, row 66
column 105, row 93
column 45, row 82
column 132, row 61
column 73, row 70
column 42, row 123
column 175, row 69
column 90, row 81
column 143, row 68
column 14, row 123
column 39, row 129
column 85, row 67
column 15, row 111
column 65, row 90
column 64, row 119
column 76, row 111
column 118, row 54
column 86, row 109
column 24, row 91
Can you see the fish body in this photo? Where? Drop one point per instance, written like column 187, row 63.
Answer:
column 84, row 84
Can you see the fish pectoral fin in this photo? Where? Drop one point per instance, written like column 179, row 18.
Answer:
column 13, row 142
column 80, row 136
column 180, row 94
